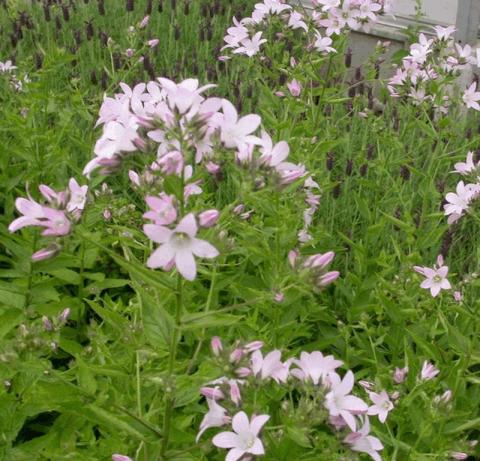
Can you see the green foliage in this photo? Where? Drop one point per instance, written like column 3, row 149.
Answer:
column 99, row 384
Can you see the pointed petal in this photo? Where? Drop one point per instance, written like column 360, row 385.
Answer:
column 158, row 234
column 188, row 225
column 257, row 423
column 257, row 448
column 185, row 263
column 203, row 249
column 234, row 454
column 226, row 440
column 240, row 423
column 161, row 256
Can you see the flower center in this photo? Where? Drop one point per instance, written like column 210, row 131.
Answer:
column 181, row 240
column 437, row 278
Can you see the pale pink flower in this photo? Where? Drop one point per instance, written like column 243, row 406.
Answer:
column 179, row 245
column 244, row 440
column 327, row 4
column 272, row 155
column 429, row 371
column 236, row 132
column 315, row 366
column 362, row 442
column 295, row 21
column 459, row 202
column 7, row 66
column 322, row 44
column 459, row 455
column 444, row 33
column 270, row 366
column 172, row 163
column 250, row 46
column 435, row 278
column 33, row 214
column 467, row 167
column 294, row 87
column 185, row 96
column 339, row 401
column 121, row 458
column 457, row 295
column 78, row 196
column 381, row 405
column 162, row 209
column 471, row 97
column 216, row 417
column 400, row 374
column 235, row 34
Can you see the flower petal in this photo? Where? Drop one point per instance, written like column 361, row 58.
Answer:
column 226, row 440
column 185, row 263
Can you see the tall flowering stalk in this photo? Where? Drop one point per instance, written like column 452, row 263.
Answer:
column 184, row 138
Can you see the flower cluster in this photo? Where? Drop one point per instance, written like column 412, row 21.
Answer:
column 61, row 211
column 9, row 69
column 315, row 267
column 431, row 66
column 323, row 394
column 330, row 18
column 337, row 16
column 190, row 136
column 459, row 202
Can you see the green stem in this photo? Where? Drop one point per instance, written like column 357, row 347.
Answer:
column 202, row 336
column 167, row 420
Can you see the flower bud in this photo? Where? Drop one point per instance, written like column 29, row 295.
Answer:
column 153, row 43
column 46, row 253
column 235, row 392
column 212, row 393
column 144, row 22
column 243, row 372
column 459, row 455
column 217, row 346
column 47, row 324
column 279, row 297
column 236, row 355
column 208, row 218
column 63, row 317
column 292, row 258
column 120, row 458
column 239, row 209
column 253, row 346
column 328, row 278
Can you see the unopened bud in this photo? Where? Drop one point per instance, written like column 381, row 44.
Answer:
column 208, row 218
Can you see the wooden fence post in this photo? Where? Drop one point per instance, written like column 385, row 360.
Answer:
column 467, row 21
